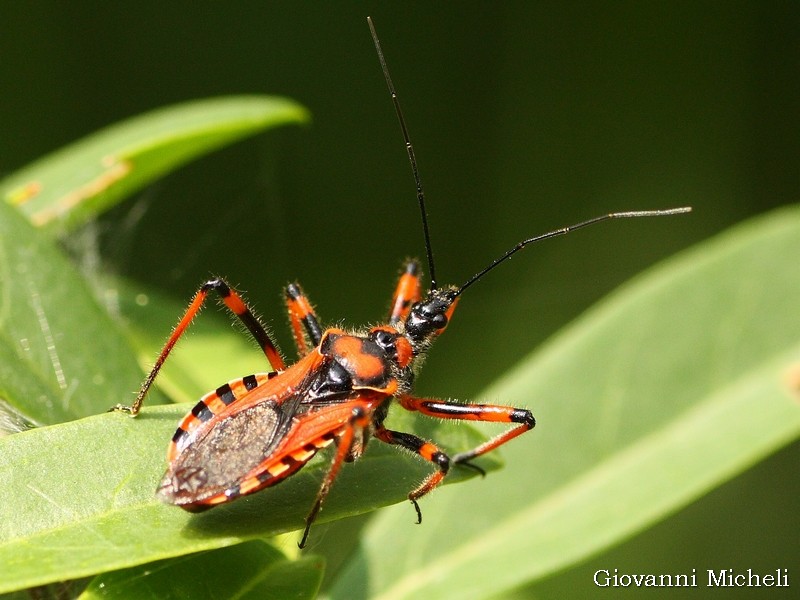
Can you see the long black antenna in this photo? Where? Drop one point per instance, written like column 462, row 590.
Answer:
column 566, row 230
column 410, row 150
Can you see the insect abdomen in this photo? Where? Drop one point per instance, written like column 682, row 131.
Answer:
column 218, row 460
column 210, row 405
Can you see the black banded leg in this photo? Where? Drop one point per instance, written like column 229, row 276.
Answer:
column 305, row 326
column 475, row 412
column 407, row 292
column 427, row 450
column 344, row 443
column 233, row 301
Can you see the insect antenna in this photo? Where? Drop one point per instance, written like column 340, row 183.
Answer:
column 410, row 150
column 421, row 194
column 568, row 229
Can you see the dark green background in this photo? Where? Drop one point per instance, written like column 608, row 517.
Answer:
column 525, row 117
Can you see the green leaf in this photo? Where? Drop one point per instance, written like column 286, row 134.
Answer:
column 253, row 570
column 79, row 498
column 61, row 356
column 74, row 184
column 668, row 388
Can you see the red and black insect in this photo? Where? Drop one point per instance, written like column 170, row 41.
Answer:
column 254, row 432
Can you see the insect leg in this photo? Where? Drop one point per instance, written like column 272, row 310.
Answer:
column 233, row 301
column 427, row 450
column 407, row 292
column 305, row 326
column 475, row 412
column 359, row 419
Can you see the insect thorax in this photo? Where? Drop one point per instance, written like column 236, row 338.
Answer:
column 379, row 359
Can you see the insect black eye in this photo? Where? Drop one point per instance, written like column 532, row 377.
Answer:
column 429, row 311
column 439, row 321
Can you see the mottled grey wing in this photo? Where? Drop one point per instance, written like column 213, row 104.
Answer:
column 216, row 462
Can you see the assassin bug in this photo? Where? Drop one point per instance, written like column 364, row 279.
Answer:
column 254, row 432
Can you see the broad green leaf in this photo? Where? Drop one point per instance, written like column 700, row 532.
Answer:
column 61, row 356
column 250, row 571
column 668, row 388
column 78, row 499
column 74, row 184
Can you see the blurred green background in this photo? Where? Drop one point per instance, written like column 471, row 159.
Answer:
column 524, row 116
